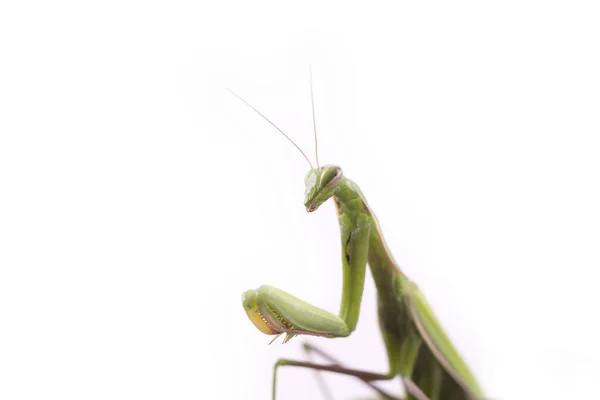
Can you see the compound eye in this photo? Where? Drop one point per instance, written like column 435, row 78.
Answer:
column 332, row 176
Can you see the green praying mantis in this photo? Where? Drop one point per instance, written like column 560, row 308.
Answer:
column 419, row 351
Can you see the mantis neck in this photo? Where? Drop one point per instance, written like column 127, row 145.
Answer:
column 350, row 200
column 352, row 203
column 356, row 218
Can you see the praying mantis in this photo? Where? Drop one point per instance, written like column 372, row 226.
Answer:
column 419, row 351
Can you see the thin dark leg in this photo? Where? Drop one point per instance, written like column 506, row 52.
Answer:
column 310, row 349
column 325, row 391
column 410, row 387
column 363, row 375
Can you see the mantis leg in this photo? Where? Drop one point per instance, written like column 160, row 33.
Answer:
column 325, row 391
column 363, row 375
column 409, row 385
column 366, row 376
column 310, row 349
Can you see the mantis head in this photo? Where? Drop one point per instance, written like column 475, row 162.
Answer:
column 321, row 184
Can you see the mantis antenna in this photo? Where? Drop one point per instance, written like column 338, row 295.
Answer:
column 275, row 126
column 312, row 102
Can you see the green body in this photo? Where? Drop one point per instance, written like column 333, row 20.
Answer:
column 417, row 346
column 418, row 349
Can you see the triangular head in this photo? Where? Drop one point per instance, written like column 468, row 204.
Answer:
column 321, row 183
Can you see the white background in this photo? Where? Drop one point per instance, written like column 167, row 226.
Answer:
column 139, row 199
